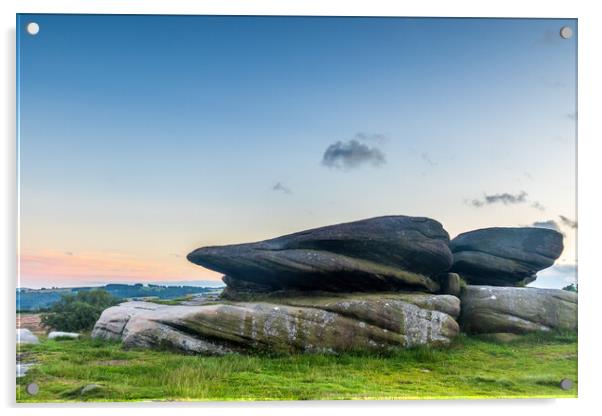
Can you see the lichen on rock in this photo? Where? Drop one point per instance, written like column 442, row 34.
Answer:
column 328, row 324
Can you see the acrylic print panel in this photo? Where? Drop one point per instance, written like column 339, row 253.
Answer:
column 290, row 208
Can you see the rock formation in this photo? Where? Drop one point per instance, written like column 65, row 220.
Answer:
column 451, row 283
column 331, row 323
column 491, row 309
column 377, row 254
column 504, row 256
column 357, row 286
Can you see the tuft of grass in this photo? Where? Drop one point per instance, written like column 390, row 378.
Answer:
column 470, row 367
column 174, row 301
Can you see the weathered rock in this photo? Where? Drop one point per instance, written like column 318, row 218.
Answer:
column 377, row 254
column 492, row 309
column 25, row 336
column 451, row 283
column 59, row 334
column 297, row 324
column 504, row 256
column 236, row 289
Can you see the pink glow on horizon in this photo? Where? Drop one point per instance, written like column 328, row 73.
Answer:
column 48, row 266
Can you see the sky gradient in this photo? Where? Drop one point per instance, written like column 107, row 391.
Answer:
column 142, row 138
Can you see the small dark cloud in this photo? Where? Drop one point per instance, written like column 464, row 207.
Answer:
column 503, row 198
column 477, row 203
column 551, row 224
column 537, row 205
column 280, row 187
column 507, row 198
column 69, row 253
column 568, row 222
column 425, row 156
column 352, row 154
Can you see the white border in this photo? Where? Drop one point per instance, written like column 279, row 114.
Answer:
column 590, row 37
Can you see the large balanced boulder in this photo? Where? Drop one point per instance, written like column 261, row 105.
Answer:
column 376, row 254
column 335, row 323
column 504, row 256
column 518, row 310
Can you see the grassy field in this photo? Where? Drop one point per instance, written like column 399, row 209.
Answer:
column 470, row 368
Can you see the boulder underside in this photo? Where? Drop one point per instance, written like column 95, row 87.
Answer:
column 375, row 322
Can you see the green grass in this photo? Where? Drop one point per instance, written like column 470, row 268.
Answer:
column 470, row 368
column 174, row 301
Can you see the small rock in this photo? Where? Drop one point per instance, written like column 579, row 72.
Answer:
column 451, row 284
column 25, row 336
column 59, row 334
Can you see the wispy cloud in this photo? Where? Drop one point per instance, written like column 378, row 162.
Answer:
column 551, row 224
column 280, row 187
column 537, row 205
column 426, row 157
column 568, row 222
column 503, row 198
column 352, row 154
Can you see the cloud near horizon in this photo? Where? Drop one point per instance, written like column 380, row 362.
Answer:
column 504, row 198
column 352, row 154
column 551, row 224
column 538, row 206
column 568, row 222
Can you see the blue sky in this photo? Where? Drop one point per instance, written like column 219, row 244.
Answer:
column 144, row 137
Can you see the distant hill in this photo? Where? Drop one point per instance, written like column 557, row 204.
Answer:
column 36, row 299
